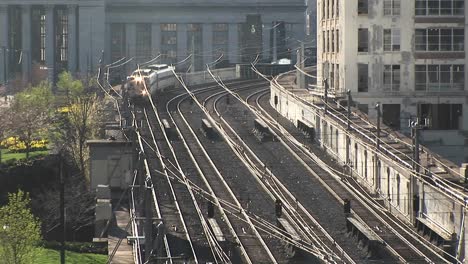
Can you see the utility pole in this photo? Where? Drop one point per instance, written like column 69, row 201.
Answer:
column 148, row 221
column 415, row 126
column 62, row 210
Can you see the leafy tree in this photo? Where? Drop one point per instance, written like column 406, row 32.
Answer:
column 81, row 120
column 29, row 114
column 19, row 230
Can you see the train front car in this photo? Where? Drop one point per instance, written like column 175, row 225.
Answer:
column 148, row 81
column 138, row 85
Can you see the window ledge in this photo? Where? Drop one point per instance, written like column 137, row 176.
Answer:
column 439, row 54
column 439, row 19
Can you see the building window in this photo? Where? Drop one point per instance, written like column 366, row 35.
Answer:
column 365, row 164
column 337, row 41
column 392, row 7
column 391, row 39
column 363, row 40
column 118, row 40
column 337, row 8
column 169, row 42
column 332, row 41
column 363, row 7
column 398, row 189
column 441, row 116
column 363, row 75
column 391, row 77
column 391, row 115
column 37, row 28
column 440, row 7
column 439, row 77
column 440, row 39
column 61, row 35
column 43, row 38
column 337, row 77
column 143, row 41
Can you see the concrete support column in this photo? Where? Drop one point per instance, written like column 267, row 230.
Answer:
column 130, row 34
column 181, row 42
column 3, row 43
column 108, row 44
column 155, row 39
column 296, row 33
column 50, row 43
column 266, row 41
column 91, row 25
column 72, row 39
column 207, row 36
column 233, row 39
column 26, row 42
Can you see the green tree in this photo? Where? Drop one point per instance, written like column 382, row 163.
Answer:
column 19, row 230
column 81, row 121
column 29, row 114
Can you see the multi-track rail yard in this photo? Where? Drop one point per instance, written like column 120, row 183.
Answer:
column 229, row 196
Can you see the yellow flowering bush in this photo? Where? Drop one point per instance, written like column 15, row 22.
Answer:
column 14, row 144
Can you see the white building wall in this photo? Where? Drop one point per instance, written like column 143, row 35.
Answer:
column 348, row 58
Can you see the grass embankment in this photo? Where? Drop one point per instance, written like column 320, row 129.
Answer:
column 6, row 155
column 47, row 256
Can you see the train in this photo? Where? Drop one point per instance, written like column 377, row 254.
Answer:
column 149, row 80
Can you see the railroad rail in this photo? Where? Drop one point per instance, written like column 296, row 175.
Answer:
column 218, row 188
column 423, row 255
column 367, row 209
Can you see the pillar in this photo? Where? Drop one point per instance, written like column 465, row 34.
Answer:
column 91, row 25
column 50, row 43
column 266, row 41
column 207, row 36
column 233, row 39
column 72, row 39
column 108, row 44
column 26, row 42
column 3, row 42
column 155, row 39
column 130, row 34
column 181, row 42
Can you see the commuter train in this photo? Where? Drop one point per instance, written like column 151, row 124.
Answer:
column 149, row 79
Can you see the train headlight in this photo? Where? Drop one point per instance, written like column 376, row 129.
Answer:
column 144, row 92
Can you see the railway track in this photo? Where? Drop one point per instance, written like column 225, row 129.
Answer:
column 311, row 231
column 401, row 239
column 405, row 251
column 246, row 236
